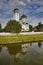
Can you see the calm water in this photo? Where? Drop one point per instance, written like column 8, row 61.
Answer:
column 21, row 54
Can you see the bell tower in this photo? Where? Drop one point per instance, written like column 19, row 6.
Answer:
column 16, row 14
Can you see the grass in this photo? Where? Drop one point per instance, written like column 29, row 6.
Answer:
column 20, row 38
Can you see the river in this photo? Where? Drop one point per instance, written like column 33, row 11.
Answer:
column 22, row 54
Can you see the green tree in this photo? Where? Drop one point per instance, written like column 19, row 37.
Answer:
column 30, row 27
column 40, row 26
column 0, row 27
column 13, row 26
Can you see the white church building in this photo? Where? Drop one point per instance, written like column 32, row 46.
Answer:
column 23, row 20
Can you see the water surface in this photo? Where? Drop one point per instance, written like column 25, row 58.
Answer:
column 21, row 54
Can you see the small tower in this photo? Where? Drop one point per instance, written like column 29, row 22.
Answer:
column 16, row 14
column 24, row 23
column 23, row 18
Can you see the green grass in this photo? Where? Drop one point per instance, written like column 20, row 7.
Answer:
column 20, row 38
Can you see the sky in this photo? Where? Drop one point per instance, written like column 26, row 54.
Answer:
column 33, row 9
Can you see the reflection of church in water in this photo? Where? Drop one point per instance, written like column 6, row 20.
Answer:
column 23, row 20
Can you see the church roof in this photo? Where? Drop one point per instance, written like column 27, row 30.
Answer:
column 23, row 16
column 16, row 9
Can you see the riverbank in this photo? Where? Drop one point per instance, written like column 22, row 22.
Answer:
column 6, row 39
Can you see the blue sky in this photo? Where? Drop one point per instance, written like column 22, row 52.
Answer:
column 33, row 9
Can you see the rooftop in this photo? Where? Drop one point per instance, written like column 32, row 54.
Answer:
column 23, row 16
column 16, row 9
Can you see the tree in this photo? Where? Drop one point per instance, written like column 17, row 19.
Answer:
column 30, row 27
column 13, row 26
column 39, row 24
column 0, row 27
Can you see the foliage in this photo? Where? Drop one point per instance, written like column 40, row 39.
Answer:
column 39, row 24
column 13, row 26
column 0, row 27
column 39, row 27
column 30, row 27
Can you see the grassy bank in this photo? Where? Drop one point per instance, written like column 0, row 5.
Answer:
column 20, row 38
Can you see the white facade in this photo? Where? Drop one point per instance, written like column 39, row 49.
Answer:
column 24, row 23
column 25, row 27
column 24, row 20
column 16, row 16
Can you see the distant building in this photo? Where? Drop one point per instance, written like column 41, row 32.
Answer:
column 23, row 20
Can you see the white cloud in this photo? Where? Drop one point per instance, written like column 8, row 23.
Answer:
column 40, row 2
column 38, row 10
column 14, row 3
column 4, row 21
column 21, row 3
column 29, row 1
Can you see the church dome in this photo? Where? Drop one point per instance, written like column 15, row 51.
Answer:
column 16, row 10
column 23, row 16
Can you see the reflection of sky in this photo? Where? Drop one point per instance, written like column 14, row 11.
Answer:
column 33, row 9
column 33, row 55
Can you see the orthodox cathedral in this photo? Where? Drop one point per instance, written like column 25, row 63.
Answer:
column 22, row 20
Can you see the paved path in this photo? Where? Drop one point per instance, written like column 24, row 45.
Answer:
column 23, row 33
